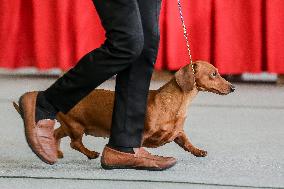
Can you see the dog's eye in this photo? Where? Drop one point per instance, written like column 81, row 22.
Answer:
column 214, row 74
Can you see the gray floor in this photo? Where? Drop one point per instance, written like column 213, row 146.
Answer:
column 242, row 132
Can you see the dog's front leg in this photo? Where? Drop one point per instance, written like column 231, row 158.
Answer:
column 183, row 141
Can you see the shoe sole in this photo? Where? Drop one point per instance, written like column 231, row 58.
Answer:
column 110, row 167
column 19, row 109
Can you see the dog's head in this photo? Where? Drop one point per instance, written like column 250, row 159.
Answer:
column 207, row 78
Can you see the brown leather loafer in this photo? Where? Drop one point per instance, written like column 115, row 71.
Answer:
column 38, row 135
column 142, row 160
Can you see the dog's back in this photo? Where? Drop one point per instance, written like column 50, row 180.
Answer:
column 93, row 114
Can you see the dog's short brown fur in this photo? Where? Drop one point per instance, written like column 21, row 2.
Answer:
column 165, row 116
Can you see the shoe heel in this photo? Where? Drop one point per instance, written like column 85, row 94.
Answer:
column 18, row 107
column 106, row 167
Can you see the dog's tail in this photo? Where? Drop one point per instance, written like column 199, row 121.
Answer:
column 16, row 106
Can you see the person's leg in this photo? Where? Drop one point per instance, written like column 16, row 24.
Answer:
column 122, row 23
column 132, row 84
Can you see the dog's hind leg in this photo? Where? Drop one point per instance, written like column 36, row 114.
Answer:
column 183, row 141
column 76, row 144
column 58, row 135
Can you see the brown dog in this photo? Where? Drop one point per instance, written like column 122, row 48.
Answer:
column 165, row 117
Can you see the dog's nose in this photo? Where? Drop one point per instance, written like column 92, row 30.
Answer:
column 233, row 88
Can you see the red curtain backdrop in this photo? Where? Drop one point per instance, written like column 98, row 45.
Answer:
column 237, row 36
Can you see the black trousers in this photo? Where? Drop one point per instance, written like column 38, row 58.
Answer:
column 130, row 51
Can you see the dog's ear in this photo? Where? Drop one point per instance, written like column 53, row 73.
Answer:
column 185, row 78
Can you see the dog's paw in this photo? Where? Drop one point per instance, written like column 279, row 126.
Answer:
column 199, row 153
column 93, row 155
column 60, row 154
